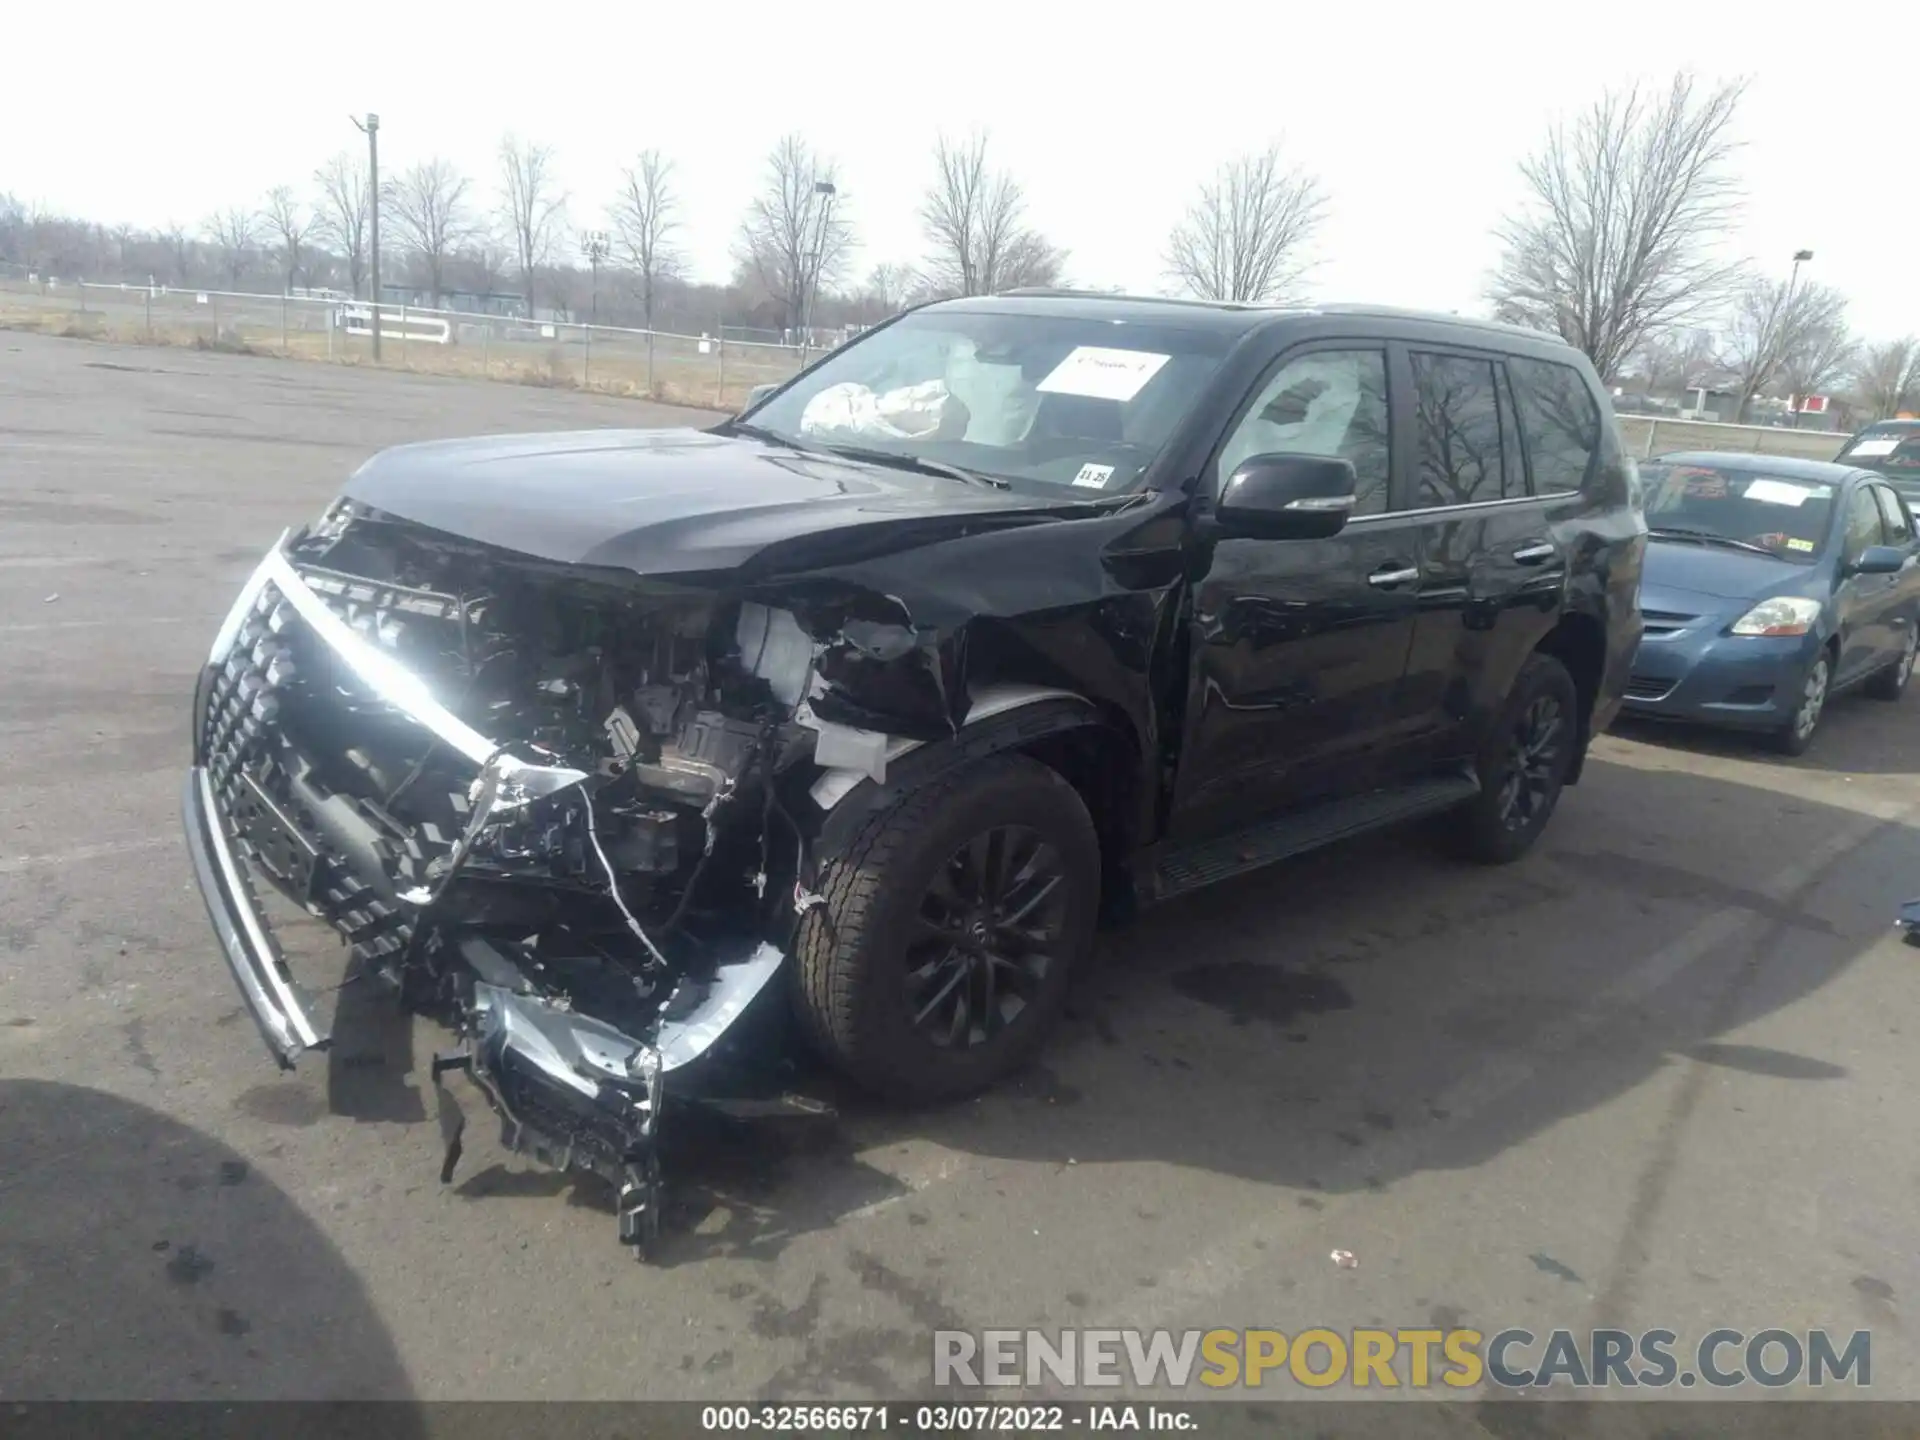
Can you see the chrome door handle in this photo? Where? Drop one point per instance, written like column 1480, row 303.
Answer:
column 1534, row 554
column 1386, row 579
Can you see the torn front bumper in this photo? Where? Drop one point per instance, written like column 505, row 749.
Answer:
column 572, row 1088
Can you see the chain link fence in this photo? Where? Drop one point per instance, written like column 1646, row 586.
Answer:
column 710, row 371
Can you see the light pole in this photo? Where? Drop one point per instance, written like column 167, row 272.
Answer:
column 594, row 244
column 1792, row 279
column 810, row 294
column 1786, row 323
column 371, row 128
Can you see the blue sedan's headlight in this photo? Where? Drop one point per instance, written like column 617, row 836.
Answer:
column 1782, row 615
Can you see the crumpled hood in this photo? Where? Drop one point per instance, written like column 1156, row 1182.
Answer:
column 1696, row 578
column 679, row 501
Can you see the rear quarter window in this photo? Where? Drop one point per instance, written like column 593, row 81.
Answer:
column 1559, row 424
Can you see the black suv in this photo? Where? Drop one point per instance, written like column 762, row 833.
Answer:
column 620, row 752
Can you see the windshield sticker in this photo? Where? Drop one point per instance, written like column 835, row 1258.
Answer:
column 1094, row 477
column 1875, row 447
column 1706, row 485
column 1794, row 542
column 1097, row 373
column 1785, row 492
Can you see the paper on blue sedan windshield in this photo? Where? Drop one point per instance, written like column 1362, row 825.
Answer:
column 1786, row 492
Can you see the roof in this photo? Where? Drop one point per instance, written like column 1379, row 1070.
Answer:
column 1230, row 316
column 1784, row 467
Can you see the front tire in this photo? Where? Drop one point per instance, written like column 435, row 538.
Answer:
column 1815, row 686
column 954, row 918
column 1891, row 683
column 1523, row 764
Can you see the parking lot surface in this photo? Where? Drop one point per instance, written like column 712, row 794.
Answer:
column 1659, row 1074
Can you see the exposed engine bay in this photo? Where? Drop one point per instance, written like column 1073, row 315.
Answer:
column 598, row 906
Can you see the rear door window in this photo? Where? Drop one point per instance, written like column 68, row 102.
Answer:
column 1457, row 417
column 1559, row 423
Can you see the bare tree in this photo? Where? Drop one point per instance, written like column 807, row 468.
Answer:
column 645, row 217
column 1887, row 379
column 532, row 207
column 341, row 219
column 289, row 226
column 1619, row 236
column 1671, row 362
column 974, row 219
column 430, row 210
column 1244, row 237
column 235, row 233
column 179, row 250
column 1820, row 357
column 1772, row 323
column 795, row 238
column 889, row 286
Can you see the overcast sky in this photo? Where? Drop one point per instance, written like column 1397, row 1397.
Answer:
column 1413, row 115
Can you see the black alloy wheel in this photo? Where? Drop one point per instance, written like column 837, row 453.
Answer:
column 1535, row 763
column 987, row 933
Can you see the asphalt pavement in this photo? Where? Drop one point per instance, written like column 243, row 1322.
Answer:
column 1655, row 1075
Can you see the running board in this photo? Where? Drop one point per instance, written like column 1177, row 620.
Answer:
column 1192, row 866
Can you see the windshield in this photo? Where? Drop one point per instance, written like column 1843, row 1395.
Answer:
column 1057, row 400
column 1710, row 505
column 1893, row 450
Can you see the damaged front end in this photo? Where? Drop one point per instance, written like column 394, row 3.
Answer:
column 565, row 811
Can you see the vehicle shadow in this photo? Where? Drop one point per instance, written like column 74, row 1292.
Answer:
column 1858, row 735
column 1377, row 1010
column 144, row 1260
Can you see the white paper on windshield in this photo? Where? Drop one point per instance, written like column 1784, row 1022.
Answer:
column 1094, row 477
column 1098, row 373
column 1781, row 492
column 1875, row 447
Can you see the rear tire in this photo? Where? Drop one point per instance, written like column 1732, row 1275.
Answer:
column 921, row 983
column 1523, row 765
column 1891, row 683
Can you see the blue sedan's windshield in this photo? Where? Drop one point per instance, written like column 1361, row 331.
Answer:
column 1057, row 399
column 1706, row 504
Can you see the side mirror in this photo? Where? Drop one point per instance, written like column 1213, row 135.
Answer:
column 1880, row 560
column 1287, row 497
column 756, row 395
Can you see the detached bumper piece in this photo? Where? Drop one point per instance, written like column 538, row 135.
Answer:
column 571, row 1090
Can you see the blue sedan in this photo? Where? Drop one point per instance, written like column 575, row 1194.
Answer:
column 1769, row 585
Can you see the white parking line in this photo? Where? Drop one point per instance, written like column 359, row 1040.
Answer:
column 15, row 864
column 50, row 562
column 34, row 627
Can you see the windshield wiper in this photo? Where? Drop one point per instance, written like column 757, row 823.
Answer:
column 772, row 437
column 871, row 456
column 1708, row 537
column 902, row 461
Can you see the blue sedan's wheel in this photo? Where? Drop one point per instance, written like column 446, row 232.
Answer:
column 1891, row 682
column 1798, row 734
